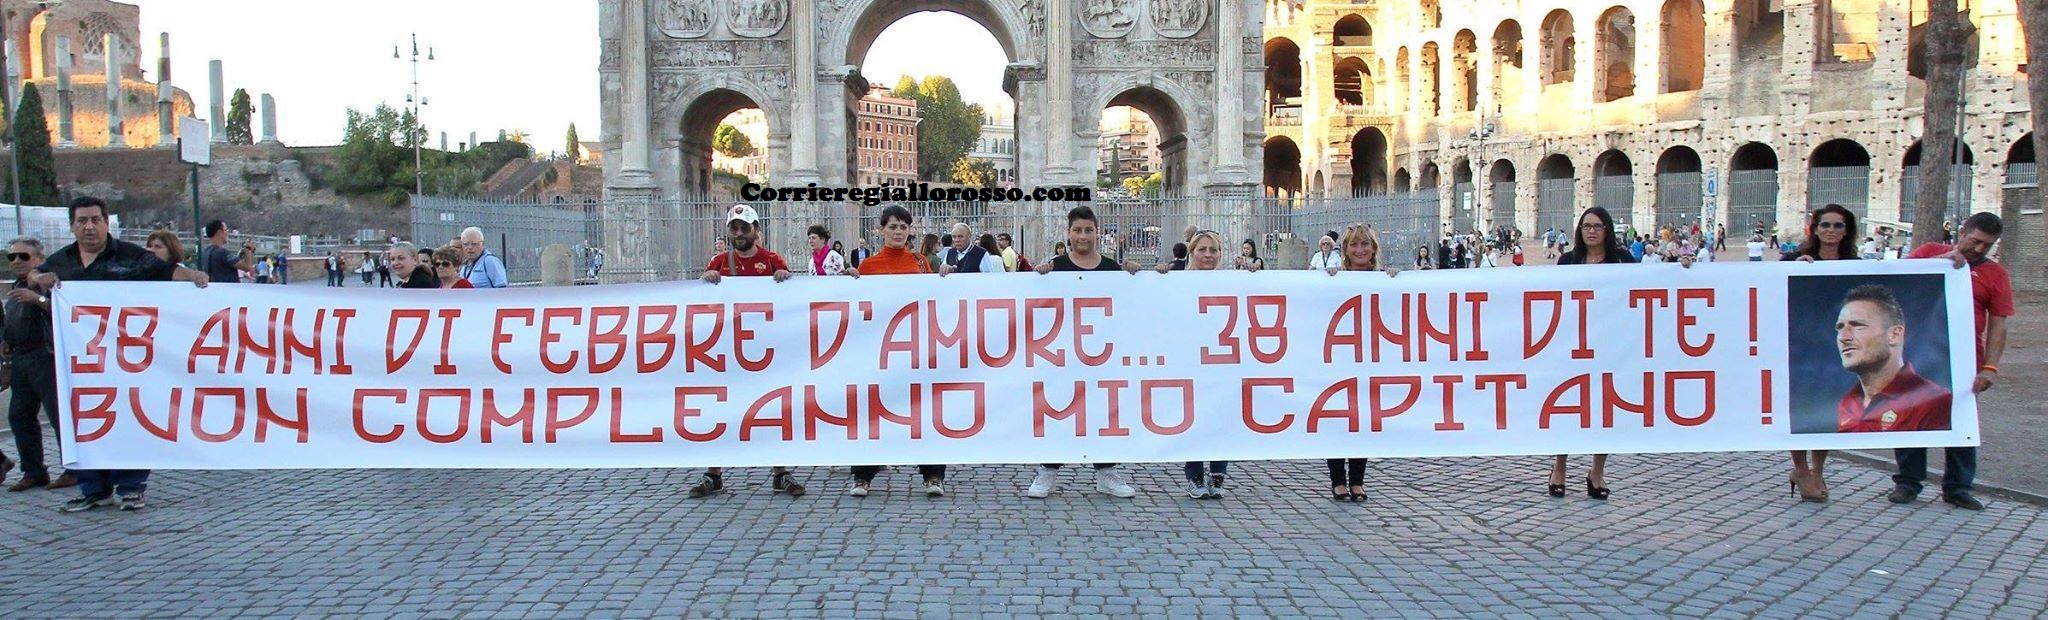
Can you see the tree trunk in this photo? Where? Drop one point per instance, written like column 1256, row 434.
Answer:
column 2034, row 20
column 1947, row 44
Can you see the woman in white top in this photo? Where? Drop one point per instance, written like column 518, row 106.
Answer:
column 1327, row 256
column 824, row 261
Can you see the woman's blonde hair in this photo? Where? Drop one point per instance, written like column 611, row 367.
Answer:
column 1356, row 233
column 1212, row 237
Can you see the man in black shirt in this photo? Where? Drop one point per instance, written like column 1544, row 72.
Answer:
column 220, row 263
column 1082, row 255
column 403, row 260
column 28, row 366
column 98, row 256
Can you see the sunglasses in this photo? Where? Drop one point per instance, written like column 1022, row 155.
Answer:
column 1832, row 225
column 443, row 263
column 14, row 256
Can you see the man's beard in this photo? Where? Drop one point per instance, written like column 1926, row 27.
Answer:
column 1869, row 366
column 742, row 244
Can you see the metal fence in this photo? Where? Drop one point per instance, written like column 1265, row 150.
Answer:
column 1464, row 210
column 1678, row 199
column 1503, row 204
column 1848, row 186
column 1617, row 193
column 1554, row 204
column 1959, row 197
column 675, row 239
column 1752, row 199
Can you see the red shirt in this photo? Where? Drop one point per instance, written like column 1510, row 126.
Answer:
column 463, row 283
column 1909, row 403
column 1990, row 289
column 762, row 263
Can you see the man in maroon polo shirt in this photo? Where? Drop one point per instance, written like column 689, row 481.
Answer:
column 1991, row 298
column 1870, row 335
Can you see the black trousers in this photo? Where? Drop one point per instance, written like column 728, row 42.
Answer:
column 1347, row 472
column 35, row 387
column 866, row 473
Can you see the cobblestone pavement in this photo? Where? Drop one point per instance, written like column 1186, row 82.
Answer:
column 1683, row 535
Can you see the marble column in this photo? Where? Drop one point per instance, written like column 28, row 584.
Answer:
column 633, row 106
column 220, row 102
column 166, row 125
column 1059, row 94
column 270, row 121
column 1230, row 86
column 803, row 125
column 116, row 131
column 64, row 105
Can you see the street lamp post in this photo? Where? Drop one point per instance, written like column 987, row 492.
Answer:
column 419, row 174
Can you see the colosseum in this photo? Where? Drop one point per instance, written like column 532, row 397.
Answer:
column 1522, row 113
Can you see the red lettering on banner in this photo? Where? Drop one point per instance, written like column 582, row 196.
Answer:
column 293, row 347
column 1706, row 377
column 1427, row 331
column 754, row 418
column 555, row 420
column 1500, row 384
column 1688, row 320
column 1037, row 347
column 1346, row 412
column 1444, row 385
column 940, row 338
column 217, row 330
column 1008, row 323
column 168, row 431
column 102, row 412
column 1580, row 384
column 95, row 347
column 741, row 335
column 684, row 412
column 341, row 365
column 1274, row 333
column 1246, row 405
column 427, row 396
column 361, row 394
column 818, row 310
column 393, row 359
column 499, row 338
column 1649, row 300
column 1611, row 400
column 815, row 414
column 905, row 318
column 1478, row 351
column 494, row 416
column 698, row 351
column 245, row 342
column 662, row 336
column 548, row 336
column 1381, row 412
column 1077, row 408
column 1082, row 330
column 1556, row 300
column 980, row 409
column 619, row 435
column 1187, row 404
column 266, row 417
column 199, row 396
column 1227, row 337
column 447, row 316
column 1348, row 313
column 1115, row 428
column 879, row 413
column 145, row 341
column 613, row 336
column 1398, row 335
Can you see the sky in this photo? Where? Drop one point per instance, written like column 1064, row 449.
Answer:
column 527, row 65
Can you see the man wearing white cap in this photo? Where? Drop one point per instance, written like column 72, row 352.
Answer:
column 744, row 257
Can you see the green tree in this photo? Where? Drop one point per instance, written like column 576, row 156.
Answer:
column 238, row 118
column 948, row 126
column 575, row 150
column 1135, row 185
column 38, row 163
column 1154, row 183
column 974, row 172
column 731, row 142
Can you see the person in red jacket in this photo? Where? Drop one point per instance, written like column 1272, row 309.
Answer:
column 1991, row 296
column 744, row 257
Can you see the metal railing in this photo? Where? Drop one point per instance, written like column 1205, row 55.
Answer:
column 1848, row 186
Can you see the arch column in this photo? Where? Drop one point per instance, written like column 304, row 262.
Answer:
column 1644, row 177
column 1796, row 96
column 1719, row 75
column 1058, row 96
column 804, row 112
column 1649, row 57
column 1230, row 174
column 1586, row 37
column 1888, row 73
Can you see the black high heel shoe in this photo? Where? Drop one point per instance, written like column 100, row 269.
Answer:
column 1337, row 495
column 1593, row 491
column 1557, row 490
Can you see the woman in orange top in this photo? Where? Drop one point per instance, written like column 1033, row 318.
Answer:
column 896, row 259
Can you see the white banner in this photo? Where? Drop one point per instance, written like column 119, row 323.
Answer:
column 1021, row 368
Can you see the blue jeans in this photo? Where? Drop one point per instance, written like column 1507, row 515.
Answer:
column 1194, row 469
column 99, row 482
column 1959, row 468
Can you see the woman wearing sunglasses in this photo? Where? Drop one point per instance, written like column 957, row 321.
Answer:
column 447, row 264
column 1593, row 243
column 1830, row 235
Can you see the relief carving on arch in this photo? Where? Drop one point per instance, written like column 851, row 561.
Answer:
column 1109, row 19
column 1179, row 19
column 687, row 19
column 757, row 18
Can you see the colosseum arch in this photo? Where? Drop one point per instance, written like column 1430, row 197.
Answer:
column 1502, row 211
column 1838, row 172
column 1614, row 55
column 1961, row 181
column 1430, row 180
column 1559, row 48
column 1352, row 31
column 1283, row 74
column 1678, row 186
column 1556, row 192
column 1430, row 15
column 1431, row 77
column 1352, row 82
column 2020, row 167
column 1465, row 207
column 1683, row 45
column 1507, row 62
column 1752, row 188
column 1369, row 163
column 1403, row 182
column 1465, row 71
column 1614, row 184
column 1283, row 167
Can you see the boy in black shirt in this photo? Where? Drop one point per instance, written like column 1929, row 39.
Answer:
column 1082, row 255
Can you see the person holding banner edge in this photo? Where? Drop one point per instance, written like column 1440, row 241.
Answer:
column 29, row 368
column 1830, row 235
column 896, row 259
column 96, row 255
column 1082, row 255
column 1593, row 243
column 1991, row 301
column 745, row 258
column 1361, row 246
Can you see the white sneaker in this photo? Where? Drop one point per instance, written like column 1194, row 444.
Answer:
column 1043, row 484
column 1197, row 490
column 1215, row 486
column 933, row 488
column 860, row 489
column 1111, row 481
